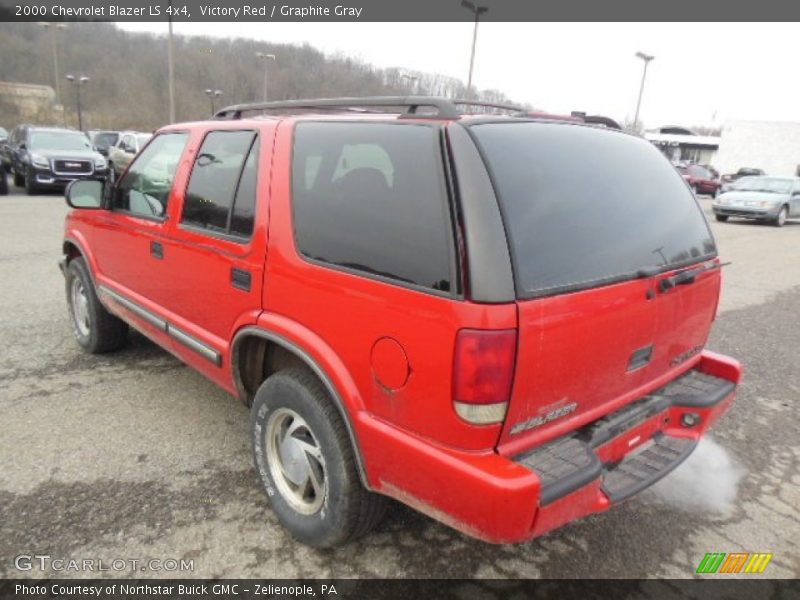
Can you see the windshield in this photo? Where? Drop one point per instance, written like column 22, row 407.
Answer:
column 143, row 139
column 586, row 206
column 58, row 140
column 770, row 185
column 106, row 139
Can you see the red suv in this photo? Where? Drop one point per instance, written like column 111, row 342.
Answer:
column 700, row 178
column 497, row 320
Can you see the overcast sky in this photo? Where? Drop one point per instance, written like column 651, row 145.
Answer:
column 703, row 74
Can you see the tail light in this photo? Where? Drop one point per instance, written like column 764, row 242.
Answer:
column 483, row 372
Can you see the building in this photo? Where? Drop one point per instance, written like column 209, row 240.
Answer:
column 770, row 145
column 27, row 102
column 682, row 144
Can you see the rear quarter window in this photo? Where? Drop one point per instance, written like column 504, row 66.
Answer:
column 371, row 197
column 585, row 206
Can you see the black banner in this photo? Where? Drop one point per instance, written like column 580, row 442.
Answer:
column 380, row 589
column 397, row 10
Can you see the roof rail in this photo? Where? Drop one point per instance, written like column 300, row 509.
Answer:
column 445, row 108
column 508, row 107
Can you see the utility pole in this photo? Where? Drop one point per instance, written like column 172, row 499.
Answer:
column 646, row 58
column 171, row 60
column 213, row 95
column 478, row 11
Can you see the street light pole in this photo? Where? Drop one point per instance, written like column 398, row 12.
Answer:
column 54, row 29
column 646, row 58
column 266, row 58
column 412, row 79
column 212, row 95
column 78, row 82
column 477, row 11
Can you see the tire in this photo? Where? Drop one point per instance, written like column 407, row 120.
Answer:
column 721, row 218
column 3, row 182
column 783, row 214
column 303, row 455
column 96, row 329
column 30, row 184
column 19, row 180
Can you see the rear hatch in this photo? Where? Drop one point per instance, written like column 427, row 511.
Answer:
column 596, row 219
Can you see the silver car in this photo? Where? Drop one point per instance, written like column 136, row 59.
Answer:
column 764, row 198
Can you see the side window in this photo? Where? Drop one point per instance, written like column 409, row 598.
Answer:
column 221, row 192
column 144, row 191
column 372, row 197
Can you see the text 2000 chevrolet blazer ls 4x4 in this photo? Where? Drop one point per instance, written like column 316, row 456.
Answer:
column 499, row 321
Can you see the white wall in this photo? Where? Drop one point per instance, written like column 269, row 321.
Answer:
column 770, row 145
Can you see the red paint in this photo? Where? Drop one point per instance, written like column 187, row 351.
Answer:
column 398, row 358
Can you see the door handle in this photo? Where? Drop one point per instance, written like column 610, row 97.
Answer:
column 157, row 250
column 241, row 279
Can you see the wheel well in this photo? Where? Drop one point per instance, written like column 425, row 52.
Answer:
column 71, row 251
column 256, row 359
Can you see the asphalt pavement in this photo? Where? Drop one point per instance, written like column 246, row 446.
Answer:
column 133, row 456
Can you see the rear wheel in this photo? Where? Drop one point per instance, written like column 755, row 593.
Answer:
column 306, row 462
column 19, row 180
column 780, row 220
column 3, row 181
column 722, row 218
column 96, row 329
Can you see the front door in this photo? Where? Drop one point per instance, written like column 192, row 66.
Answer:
column 129, row 238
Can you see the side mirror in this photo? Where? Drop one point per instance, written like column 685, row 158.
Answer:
column 84, row 193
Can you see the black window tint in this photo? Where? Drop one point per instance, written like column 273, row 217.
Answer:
column 585, row 205
column 371, row 196
column 145, row 189
column 214, row 179
column 244, row 206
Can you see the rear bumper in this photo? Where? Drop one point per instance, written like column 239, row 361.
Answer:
column 501, row 499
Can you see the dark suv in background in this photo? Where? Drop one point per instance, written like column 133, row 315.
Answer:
column 48, row 157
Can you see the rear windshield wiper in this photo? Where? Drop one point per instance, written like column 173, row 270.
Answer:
column 686, row 277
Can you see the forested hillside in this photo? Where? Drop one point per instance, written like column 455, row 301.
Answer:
column 128, row 71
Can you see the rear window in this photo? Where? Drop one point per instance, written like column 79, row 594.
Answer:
column 586, row 206
column 371, row 197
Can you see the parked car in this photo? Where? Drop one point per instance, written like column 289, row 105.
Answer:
column 700, row 178
column 742, row 172
column 774, row 199
column 128, row 146
column 104, row 141
column 729, row 178
column 49, row 157
column 411, row 311
column 6, row 154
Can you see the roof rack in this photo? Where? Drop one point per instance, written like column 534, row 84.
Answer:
column 445, row 108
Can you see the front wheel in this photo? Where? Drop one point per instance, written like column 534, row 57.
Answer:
column 3, row 182
column 30, row 184
column 721, row 218
column 780, row 220
column 96, row 329
column 306, row 462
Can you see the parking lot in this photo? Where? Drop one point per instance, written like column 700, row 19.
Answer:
column 133, row 455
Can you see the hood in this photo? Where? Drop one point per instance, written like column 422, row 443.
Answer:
column 740, row 197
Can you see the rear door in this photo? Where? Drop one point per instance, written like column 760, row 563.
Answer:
column 595, row 219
